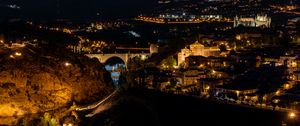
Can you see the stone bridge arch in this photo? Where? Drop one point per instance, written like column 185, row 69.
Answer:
column 125, row 57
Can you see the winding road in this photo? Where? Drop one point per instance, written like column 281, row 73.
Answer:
column 99, row 106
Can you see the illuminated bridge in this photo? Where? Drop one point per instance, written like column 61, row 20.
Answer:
column 115, row 63
column 103, row 58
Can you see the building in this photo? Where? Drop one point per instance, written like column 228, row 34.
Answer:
column 258, row 21
column 191, row 76
column 231, row 93
column 208, row 84
column 247, row 36
column 202, row 62
column 197, row 49
column 154, row 48
column 289, row 61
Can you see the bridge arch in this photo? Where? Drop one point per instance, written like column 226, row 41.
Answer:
column 111, row 62
column 115, row 65
column 114, row 60
column 125, row 57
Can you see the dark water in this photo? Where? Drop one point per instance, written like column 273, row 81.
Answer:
column 115, row 71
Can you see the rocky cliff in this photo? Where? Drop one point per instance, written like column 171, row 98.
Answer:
column 34, row 80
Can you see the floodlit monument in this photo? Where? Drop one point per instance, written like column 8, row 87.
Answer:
column 258, row 21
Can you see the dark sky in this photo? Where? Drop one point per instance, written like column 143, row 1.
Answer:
column 80, row 9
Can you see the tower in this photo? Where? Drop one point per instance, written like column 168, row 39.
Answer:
column 235, row 24
column 262, row 20
column 196, row 49
column 182, row 55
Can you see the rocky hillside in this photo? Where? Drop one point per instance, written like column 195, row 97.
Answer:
column 34, row 80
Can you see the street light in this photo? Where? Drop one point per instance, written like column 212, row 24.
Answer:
column 276, row 101
column 207, row 88
column 292, row 115
column 67, row 64
column 277, row 92
column 213, row 71
column 11, row 56
column 238, row 93
column 286, row 86
column 294, row 64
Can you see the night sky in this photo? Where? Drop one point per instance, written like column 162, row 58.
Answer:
column 76, row 9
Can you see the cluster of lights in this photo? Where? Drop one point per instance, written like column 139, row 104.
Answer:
column 149, row 19
column 16, row 54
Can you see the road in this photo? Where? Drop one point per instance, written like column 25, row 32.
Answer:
column 99, row 106
column 107, row 102
column 257, row 106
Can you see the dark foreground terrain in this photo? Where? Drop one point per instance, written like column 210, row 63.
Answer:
column 142, row 107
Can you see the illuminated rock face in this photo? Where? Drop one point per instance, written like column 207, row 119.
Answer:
column 41, row 81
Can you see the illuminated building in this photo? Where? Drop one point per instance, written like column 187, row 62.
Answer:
column 154, row 48
column 197, row 49
column 258, row 21
column 191, row 76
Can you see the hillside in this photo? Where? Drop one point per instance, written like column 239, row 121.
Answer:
column 143, row 107
column 34, row 80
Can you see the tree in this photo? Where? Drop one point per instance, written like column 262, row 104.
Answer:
column 126, row 80
column 47, row 120
column 223, row 48
column 168, row 63
column 134, row 63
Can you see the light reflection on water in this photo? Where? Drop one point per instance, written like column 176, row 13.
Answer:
column 115, row 71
